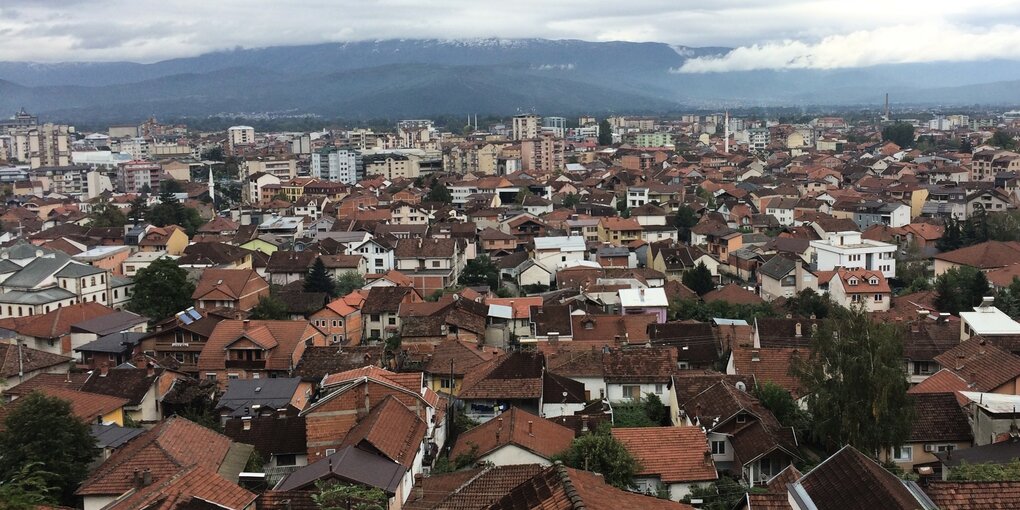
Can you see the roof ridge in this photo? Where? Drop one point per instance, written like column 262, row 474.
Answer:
column 576, row 502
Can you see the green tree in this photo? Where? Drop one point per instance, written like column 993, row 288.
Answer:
column 1008, row 299
column 952, row 238
column 986, row 472
column 170, row 211
column 807, row 303
column 686, row 218
column 900, row 133
column 269, row 308
column 171, row 186
column 344, row 496
column 105, row 214
column 571, row 200
column 161, row 290
column 602, row 453
column 723, row 494
column 27, row 489
column 855, row 383
column 318, row 280
column 960, row 289
column 480, row 270
column 623, row 208
column 347, row 282
column 605, row 133
column 439, row 193
column 139, row 209
column 966, row 146
column 44, row 430
column 779, row 401
column 522, row 195
column 699, row 279
column 213, row 154
column 1002, row 139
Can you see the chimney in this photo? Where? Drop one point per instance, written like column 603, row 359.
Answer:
column 642, row 295
column 244, row 325
column 150, row 370
column 146, row 478
column 419, row 491
column 584, row 423
column 136, row 478
column 104, row 369
column 708, row 458
column 499, row 428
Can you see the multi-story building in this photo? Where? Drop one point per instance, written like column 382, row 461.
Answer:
column 45, row 145
column 555, row 125
column 848, row 250
column 649, row 139
column 338, row 165
column 133, row 176
column 416, row 134
column 525, row 126
column 281, row 168
column 542, row 154
column 392, row 165
column 239, row 136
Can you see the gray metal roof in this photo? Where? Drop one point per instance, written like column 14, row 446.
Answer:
column 8, row 266
column 36, row 297
column 112, row 436
column 114, row 342
column 77, row 270
column 274, row 392
column 111, row 323
column 777, row 267
column 349, row 464
column 37, row 270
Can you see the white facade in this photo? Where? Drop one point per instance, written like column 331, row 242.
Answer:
column 240, row 135
column 849, row 250
column 336, row 165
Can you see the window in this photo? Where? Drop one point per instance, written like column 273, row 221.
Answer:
column 286, row 459
column 718, row 447
column 445, row 383
column 392, row 321
column 942, row 448
column 378, row 262
column 658, row 389
column 92, row 281
column 631, row 392
column 436, row 263
column 210, row 376
column 375, row 317
column 903, row 453
column 878, row 298
column 232, row 376
column 741, row 418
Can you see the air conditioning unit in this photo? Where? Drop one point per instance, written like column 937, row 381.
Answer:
column 929, row 448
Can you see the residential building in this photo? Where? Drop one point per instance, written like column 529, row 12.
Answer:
column 338, row 165
column 848, row 250
column 238, row 289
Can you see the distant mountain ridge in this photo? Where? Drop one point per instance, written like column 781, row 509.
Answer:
column 402, row 78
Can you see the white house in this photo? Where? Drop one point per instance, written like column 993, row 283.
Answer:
column 848, row 250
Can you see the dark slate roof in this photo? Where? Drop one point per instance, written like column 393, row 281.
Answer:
column 113, row 343
column 777, row 267
column 316, row 362
column 349, row 464
column 110, row 323
column 303, row 303
column 996, row 453
column 128, row 383
column 274, row 393
column 384, row 299
column 112, row 436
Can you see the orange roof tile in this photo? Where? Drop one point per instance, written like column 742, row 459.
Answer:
column 182, row 489
column 392, row 429
column 519, row 428
column 674, row 454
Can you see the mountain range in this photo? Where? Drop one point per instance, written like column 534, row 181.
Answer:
column 416, row 78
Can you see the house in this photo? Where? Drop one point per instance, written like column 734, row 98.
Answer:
column 243, row 349
column 619, row 231
column 852, row 481
column 170, row 239
column 778, row 277
column 21, row 363
column 142, row 389
column 338, row 265
column 451, row 360
column 849, row 250
column 110, row 350
column 695, row 342
column 206, row 254
column 90, row 330
column 239, row 289
column 378, row 254
column 993, row 416
column 253, row 397
column 561, row 488
column 496, row 242
column 673, row 459
column 985, row 367
column 939, row 425
column 518, row 379
column 985, row 256
column 972, row 495
column 349, row 465
column 380, row 313
column 278, row 437
column 630, row 374
column 553, row 253
column 433, row 264
column 51, row 332
column 286, row 266
column 644, row 301
column 161, row 452
column 732, row 293
column 674, row 260
column 860, row 287
column 183, row 489
column 746, row 439
column 178, row 340
column 468, row 488
column 514, row 437
column 341, row 320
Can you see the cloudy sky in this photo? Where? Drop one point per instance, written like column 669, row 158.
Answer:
column 771, row 34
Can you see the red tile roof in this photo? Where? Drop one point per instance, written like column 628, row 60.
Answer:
column 56, row 323
column 943, row 381
column 850, row 480
column 984, row 366
column 986, row 255
column 562, row 488
column 26, row 360
column 86, row 406
column 392, row 429
column 519, row 428
column 674, row 454
column 769, row 364
column 228, row 284
column 733, row 293
column 279, row 338
column 181, row 491
column 975, row 495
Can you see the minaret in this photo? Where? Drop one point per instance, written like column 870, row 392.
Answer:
column 726, row 133
column 212, row 187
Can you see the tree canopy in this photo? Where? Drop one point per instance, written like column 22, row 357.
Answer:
column 318, row 280
column 44, row 431
column 649, row 411
column 699, row 279
column 686, row 218
column 105, row 214
column 1002, row 139
column 960, row 289
column 900, row 133
column 161, row 290
column 808, row 303
column 986, row 472
column 345, row 496
column 600, row 452
column 347, row 282
column 439, row 193
column 605, row 133
column 170, row 211
column 855, row 383
column 269, row 308
column 480, row 270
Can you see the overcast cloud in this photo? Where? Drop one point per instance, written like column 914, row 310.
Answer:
column 771, row 34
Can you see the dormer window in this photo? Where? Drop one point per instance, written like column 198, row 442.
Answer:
column 589, row 324
column 852, row 281
column 873, row 281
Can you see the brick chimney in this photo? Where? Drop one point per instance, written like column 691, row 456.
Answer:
column 104, row 369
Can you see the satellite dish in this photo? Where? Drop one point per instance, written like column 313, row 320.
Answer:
column 741, row 386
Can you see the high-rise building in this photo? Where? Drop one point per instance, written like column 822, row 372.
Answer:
column 525, row 126
column 542, row 154
column 338, row 165
column 555, row 125
column 416, row 134
column 45, row 145
column 240, row 136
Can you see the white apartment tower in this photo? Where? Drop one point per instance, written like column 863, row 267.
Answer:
column 337, row 165
column 240, row 136
column 525, row 126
